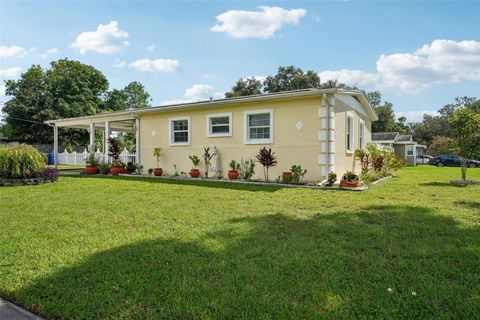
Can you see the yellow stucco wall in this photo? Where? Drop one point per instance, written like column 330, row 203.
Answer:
column 343, row 158
column 290, row 144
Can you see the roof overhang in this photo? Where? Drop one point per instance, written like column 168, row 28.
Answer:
column 98, row 119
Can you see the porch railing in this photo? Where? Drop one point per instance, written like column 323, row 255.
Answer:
column 78, row 158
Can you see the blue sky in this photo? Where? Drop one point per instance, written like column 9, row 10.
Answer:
column 420, row 55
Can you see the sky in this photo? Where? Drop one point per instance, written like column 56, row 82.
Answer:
column 420, row 55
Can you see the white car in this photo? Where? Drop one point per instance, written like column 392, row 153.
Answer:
column 423, row 159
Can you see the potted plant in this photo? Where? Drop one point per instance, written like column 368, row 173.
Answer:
column 114, row 153
column 234, row 168
column 91, row 167
column 350, row 180
column 150, row 171
column 103, row 167
column 195, row 173
column 156, row 153
column 287, row 177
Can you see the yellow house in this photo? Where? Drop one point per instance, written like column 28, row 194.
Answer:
column 316, row 129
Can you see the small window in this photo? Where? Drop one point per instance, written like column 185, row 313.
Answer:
column 219, row 125
column 409, row 150
column 349, row 131
column 180, row 131
column 361, row 135
column 258, row 127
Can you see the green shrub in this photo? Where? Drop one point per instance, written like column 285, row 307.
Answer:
column 297, row 174
column 20, row 162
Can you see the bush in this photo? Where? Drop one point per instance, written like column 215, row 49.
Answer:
column 377, row 163
column 247, row 169
column 20, row 162
column 50, row 174
column 297, row 174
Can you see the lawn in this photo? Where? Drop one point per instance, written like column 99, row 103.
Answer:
column 101, row 247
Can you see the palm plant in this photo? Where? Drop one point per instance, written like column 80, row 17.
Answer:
column 267, row 159
column 156, row 154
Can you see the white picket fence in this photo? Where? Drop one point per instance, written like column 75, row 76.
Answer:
column 78, row 158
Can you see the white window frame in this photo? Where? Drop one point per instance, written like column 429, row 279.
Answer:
column 361, row 134
column 210, row 134
column 406, row 150
column 170, row 132
column 246, row 128
column 349, row 137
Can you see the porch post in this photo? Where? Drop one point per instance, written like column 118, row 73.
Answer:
column 55, row 145
column 137, row 141
column 92, row 137
column 105, row 143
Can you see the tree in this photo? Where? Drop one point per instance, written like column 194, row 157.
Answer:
column 136, row 96
column 441, row 145
column 465, row 128
column 67, row 89
column 386, row 116
column 291, row 78
column 245, row 87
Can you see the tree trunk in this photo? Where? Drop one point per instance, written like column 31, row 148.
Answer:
column 464, row 164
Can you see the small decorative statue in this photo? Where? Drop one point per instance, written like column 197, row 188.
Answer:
column 215, row 164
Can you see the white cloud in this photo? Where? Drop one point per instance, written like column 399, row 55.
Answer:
column 158, row 65
column 50, row 52
column 262, row 24
column 12, row 52
column 120, row 64
column 151, row 47
column 107, row 39
column 197, row 92
column 415, row 116
column 10, row 72
column 442, row 61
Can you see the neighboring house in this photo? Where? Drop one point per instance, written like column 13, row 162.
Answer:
column 317, row 129
column 403, row 145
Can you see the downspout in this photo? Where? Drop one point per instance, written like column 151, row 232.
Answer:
column 328, row 137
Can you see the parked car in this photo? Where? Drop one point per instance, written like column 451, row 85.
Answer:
column 423, row 159
column 451, row 161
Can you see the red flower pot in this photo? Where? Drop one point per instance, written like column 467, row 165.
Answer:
column 287, row 176
column 115, row 171
column 194, row 173
column 346, row 184
column 158, row 172
column 124, row 170
column 233, row 174
column 90, row 170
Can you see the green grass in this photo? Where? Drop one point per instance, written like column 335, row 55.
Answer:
column 103, row 247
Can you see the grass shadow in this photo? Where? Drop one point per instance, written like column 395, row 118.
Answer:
column 469, row 204
column 277, row 266
column 442, row 184
column 200, row 183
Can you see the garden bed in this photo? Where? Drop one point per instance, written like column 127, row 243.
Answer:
column 23, row 182
column 464, row 182
column 309, row 185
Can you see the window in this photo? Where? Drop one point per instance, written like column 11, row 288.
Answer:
column 259, row 127
column 409, row 150
column 349, row 131
column 180, row 131
column 219, row 125
column 361, row 135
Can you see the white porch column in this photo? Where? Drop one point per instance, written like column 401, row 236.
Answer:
column 55, row 145
column 137, row 141
column 92, row 137
column 105, row 143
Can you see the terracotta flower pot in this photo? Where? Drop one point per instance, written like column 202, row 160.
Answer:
column 287, row 176
column 124, row 170
column 233, row 174
column 115, row 171
column 90, row 170
column 346, row 184
column 158, row 172
column 194, row 173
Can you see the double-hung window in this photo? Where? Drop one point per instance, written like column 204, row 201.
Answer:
column 219, row 125
column 361, row 135
column 349, row 133
column 410, row 148
column 259, row 127
column 180, row 131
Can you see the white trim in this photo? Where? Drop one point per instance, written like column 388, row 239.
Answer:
column 246, row 140
column 352, row 133
column 361, row 134
column 217, row 115
column 170, row 132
